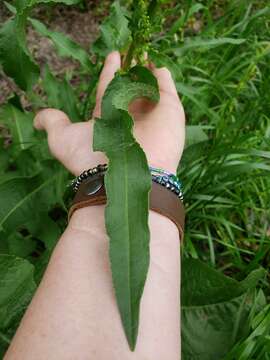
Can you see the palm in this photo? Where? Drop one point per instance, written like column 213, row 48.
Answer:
column 73, row 147
column 158, row 128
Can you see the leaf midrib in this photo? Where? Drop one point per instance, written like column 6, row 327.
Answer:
column 24, row 199
column 129, row 237
column 17, row 125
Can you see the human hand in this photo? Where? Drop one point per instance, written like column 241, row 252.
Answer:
column 159, row 128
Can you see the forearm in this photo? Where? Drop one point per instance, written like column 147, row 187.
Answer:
column 74, row 313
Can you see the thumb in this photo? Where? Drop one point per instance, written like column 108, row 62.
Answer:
column 62, row 147
column 51, row 120
column 165, row 81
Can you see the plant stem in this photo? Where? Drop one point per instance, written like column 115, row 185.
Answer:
column 129, row 56
column 91, row 86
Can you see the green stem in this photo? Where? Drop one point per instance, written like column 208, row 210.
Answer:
column 129, row 57
column 91, row 86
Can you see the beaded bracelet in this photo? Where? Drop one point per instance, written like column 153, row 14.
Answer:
column 162, row 177
column 169, row 180
column 85, row 174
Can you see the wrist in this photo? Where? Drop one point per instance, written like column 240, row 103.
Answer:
column 164, row 164
column 89, row 202
column 89, row 219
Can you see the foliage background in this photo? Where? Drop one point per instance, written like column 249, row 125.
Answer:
column 218, row 53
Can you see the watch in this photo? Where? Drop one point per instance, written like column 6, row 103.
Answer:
column 91, row 191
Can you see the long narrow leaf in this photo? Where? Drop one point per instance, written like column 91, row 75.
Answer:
column 22, row 5
column 128, row 183
column 20, row 125
column 61, row 95
column 16, row 61
column 64, row 45
column 205, row 44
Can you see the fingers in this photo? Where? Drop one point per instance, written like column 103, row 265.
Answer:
column 165, row 81
column 111, row 65
column 51, row 120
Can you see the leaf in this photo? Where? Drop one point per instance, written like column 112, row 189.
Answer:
column 4, row 160
column 10, row 7
column 45, row 229
column 16, row 289
column 15, row 60
column 69, row 100
column 22, row 196
column 52, row 89
column 64, row 45
column 115, row 33
column 60, row 95
column 66, row 2
column 14, row 55
column 22, row 5
column 257, row 344
column 3, row 243
column 128, row 182
column 202, row 44
column 252, row 279
column 179, row 23
column 195, row 134
column 19, row 124
column 19, row 245
column 185, row 90
column 160, row 60
column 215, row 310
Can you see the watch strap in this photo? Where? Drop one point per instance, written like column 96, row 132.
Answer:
column 163, row 201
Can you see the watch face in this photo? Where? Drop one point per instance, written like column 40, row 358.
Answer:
column 93, row 184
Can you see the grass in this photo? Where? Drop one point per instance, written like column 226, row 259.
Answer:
column 224, row 87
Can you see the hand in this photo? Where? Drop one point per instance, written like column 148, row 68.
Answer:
column 159, row 128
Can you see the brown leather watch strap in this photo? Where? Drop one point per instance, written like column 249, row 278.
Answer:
column 162, row 200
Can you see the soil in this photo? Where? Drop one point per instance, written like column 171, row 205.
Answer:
column 79, row 24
